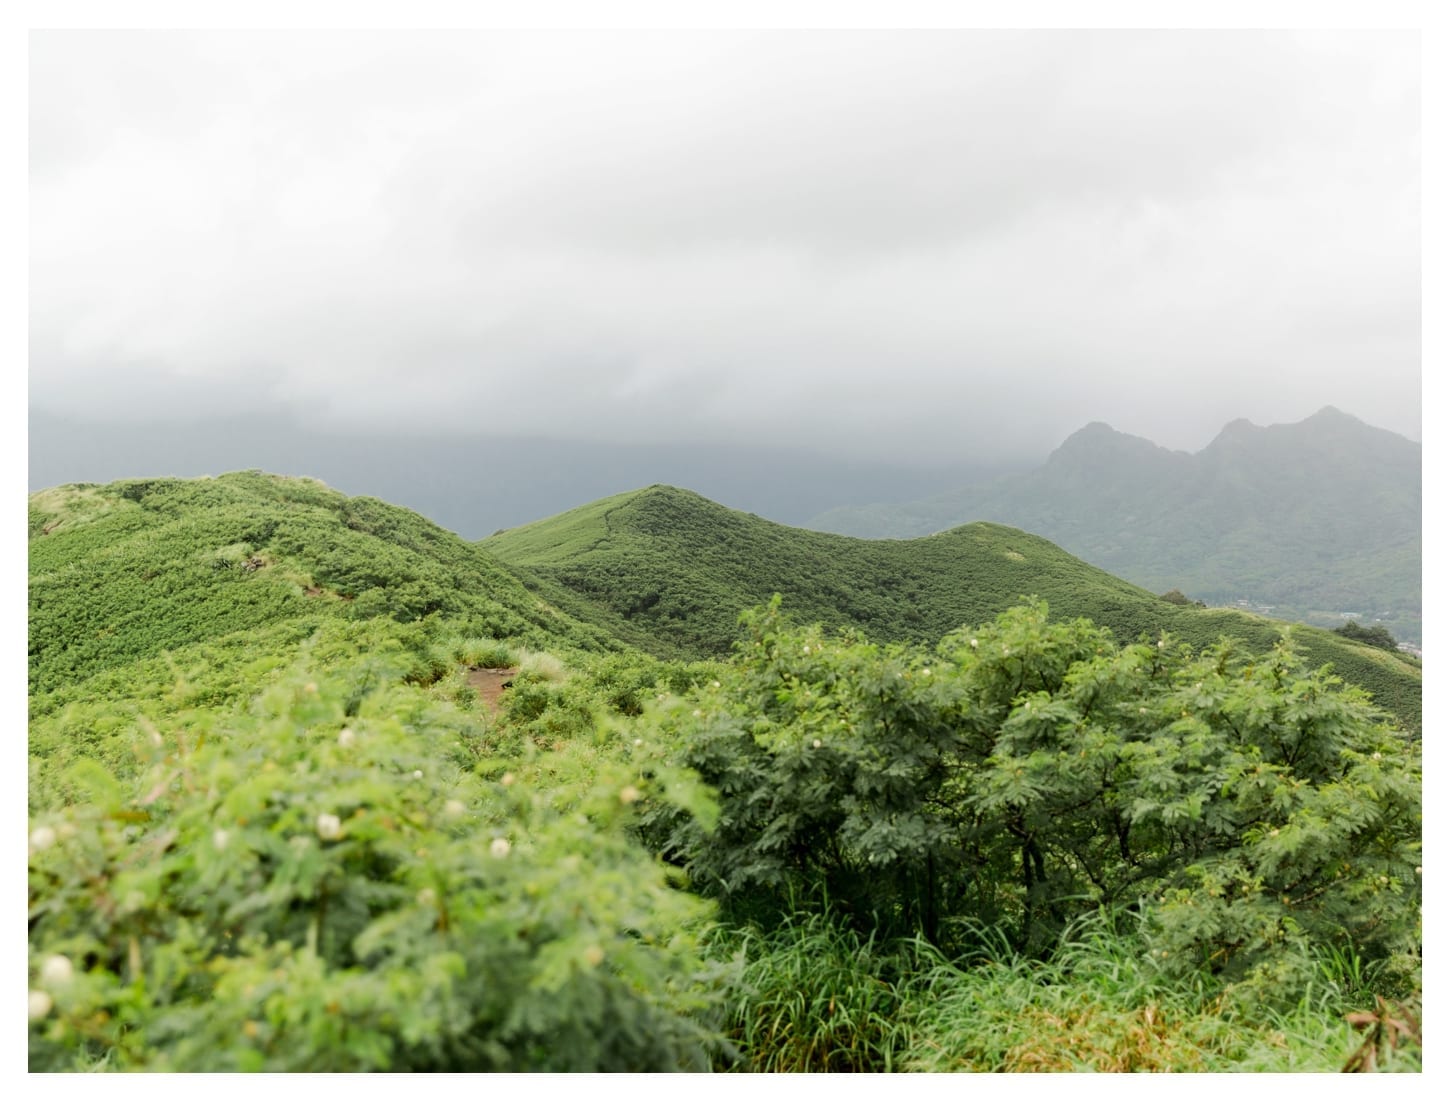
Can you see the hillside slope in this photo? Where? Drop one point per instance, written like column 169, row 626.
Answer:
column 669, row 571
column 1314, row 519
column 129, row 570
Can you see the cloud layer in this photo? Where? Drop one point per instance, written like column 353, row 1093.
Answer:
column 923, row 244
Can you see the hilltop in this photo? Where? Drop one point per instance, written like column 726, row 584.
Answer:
column 129, row 570
column 669, row 570
column 1315, row 520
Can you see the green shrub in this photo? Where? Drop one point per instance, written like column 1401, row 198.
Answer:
column 1028, row 772
column 312, row 891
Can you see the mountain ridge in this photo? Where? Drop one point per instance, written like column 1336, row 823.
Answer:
column 1310, row 520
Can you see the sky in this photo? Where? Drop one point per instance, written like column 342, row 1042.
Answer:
column 925, row 246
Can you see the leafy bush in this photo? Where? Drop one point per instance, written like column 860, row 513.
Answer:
column 1370, row 636
column 1027, row 772
column 308, row 890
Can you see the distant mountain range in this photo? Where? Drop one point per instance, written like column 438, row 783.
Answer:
column 1317, row 521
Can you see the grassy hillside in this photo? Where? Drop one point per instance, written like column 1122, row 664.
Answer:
column 131, row 569
column 670, row 571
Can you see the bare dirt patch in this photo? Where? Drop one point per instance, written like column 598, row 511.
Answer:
column 317, row 590
column 490, row 684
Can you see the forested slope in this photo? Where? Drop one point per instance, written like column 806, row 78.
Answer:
column 1315, row 519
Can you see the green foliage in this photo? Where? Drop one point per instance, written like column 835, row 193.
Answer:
column 130, row 570
column 1027, row 772
column 1370, row 636
column 275, row 826
column 308, row 890
column 669, row 571
column 814, row 995
column 1173, row 596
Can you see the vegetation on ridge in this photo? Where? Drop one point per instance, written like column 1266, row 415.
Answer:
column 669, row 571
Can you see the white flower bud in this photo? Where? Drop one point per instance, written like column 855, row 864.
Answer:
column 56, row 971
column 346, row 738
column 454, row 808
column 506, row 779
column 417, row 774
column 816, row 744
column 219, row 839
column 329, row 827
column 500, row 847
column 629, row 794
column 427, row 897
column 40, row 1004
column 42, row 837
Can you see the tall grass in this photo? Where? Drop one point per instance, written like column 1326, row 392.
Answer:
column 814, row 995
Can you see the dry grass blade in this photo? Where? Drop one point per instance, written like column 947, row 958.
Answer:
column 1383, row 1032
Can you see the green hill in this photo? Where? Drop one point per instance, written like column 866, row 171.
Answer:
column 669, row 571
column 1318, row 521
column 128, row 570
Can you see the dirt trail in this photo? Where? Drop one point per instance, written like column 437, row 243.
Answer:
column 490, row 684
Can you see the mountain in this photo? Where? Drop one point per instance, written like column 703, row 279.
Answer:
column 1317, row 521
column 669, row 571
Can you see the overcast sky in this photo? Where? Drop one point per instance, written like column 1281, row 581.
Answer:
column 932, row 245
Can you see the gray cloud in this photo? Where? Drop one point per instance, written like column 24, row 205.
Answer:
column 900, row 243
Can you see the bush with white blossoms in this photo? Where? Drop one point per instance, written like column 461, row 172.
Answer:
column 285, row 899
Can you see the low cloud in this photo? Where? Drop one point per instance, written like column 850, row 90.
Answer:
column 911, row 244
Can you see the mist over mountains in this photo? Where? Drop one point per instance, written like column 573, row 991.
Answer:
column 1317, row 521
column 477, row 484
